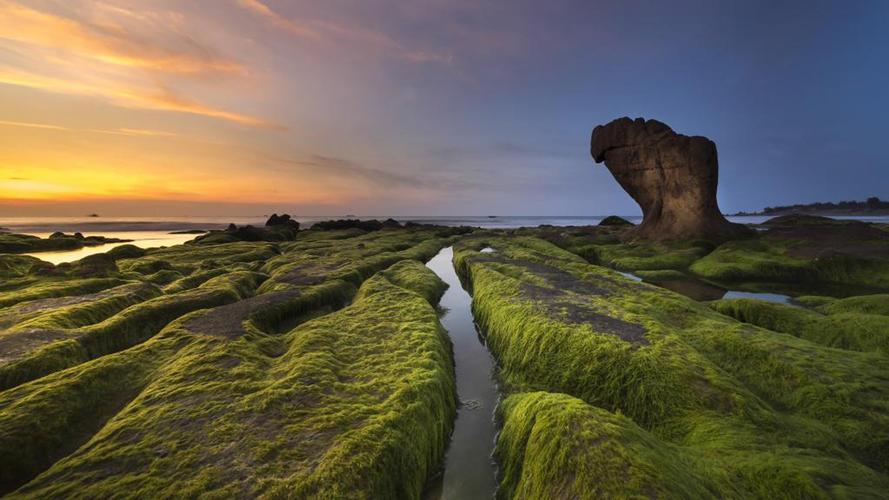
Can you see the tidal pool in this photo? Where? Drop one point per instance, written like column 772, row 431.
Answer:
column 702, row 291
column 143, row 239
column 469, row 468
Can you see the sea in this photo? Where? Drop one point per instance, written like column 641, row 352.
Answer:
column 149, row 232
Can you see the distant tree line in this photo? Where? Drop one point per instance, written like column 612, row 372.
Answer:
column 869, row 205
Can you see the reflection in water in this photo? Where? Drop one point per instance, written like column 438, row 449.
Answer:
column 630, row 276
column 771, row 297
column 143, row 239
column 703, row 291
column 469, row 469
column 694, row 289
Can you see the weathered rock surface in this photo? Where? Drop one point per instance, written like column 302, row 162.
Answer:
column 671, row 176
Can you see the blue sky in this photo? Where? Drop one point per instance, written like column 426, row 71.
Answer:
column 428, row 107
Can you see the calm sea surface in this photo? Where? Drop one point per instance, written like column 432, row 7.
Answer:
column 155, row 232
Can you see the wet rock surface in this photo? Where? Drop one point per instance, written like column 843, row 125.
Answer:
column 673, row 178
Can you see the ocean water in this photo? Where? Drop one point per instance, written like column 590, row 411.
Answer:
column 148, row 232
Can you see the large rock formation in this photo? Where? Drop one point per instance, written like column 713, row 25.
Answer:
column 671, row 176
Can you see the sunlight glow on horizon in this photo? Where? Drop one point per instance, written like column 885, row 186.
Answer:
column 384, row 106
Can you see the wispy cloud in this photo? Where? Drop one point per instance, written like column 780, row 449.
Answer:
column 113, row 43
column 127, row 95
column 119, row 131
column 497, row 149
column 277, row 20
column 32, row 125
column 131, row 57
column 357, row 36
column 342, row 168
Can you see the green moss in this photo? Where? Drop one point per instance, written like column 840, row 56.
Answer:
column 769, row 260
column 546, row 434
column 868, row 304
column 128, row 327
column 49, row 288
column 812, row 301
column 614, row 220
column 355, row 403
column 843, row 330
column 193, row 280
column 232, row 380
column 755, row 412
column 17, row 266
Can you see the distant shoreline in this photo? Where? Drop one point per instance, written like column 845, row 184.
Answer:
column 872, row 206
column 826, row 213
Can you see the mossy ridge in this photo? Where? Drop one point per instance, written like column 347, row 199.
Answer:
column 56, row 314
column 66, row 348
column 52, row 287
column 187, row 259
column 193, row 280
column 353, row 258
column 47, row 350
column 769, row 260
column 674, row 389
column 17, row 266
column 546, row 434
column 49, row 418
column 359, row 402
column 556, row 446
column 843, row 330
column 867, row 304
column 601, row 245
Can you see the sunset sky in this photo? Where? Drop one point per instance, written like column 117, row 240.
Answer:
column 239, row 107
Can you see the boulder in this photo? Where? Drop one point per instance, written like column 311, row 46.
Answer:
column 671, row 176
column 614, row 220
column 282, row 221
column 391, row 223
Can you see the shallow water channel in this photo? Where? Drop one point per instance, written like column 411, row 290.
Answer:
column 469, row 469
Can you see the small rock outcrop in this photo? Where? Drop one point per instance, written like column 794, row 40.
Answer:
column 283, row 220
column 671, row 176
column 614, row 220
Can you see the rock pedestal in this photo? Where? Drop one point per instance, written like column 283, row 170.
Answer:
column 671, row 176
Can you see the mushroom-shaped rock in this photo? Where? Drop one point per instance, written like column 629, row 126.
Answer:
column 671, row 176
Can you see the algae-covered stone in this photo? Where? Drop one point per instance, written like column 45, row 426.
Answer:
column 357, row 403
column 308, row 367
column 748, row 412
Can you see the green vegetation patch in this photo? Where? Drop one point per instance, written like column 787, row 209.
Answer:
column 357, row 403
column 844, row 330
column 744, row 411
column 837, row 253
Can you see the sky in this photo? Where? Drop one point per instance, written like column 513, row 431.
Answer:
column 427, row 107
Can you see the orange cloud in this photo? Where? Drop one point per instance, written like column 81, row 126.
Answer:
column 32, row 125
column 278, row 20
column 107, row 43
column 162, row 99
column 120, row 131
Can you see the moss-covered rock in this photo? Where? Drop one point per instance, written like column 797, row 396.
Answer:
column 614, row 220
column 251, row 362
column 25, row 243
column 357, row 403
column 745, row 411
column 856, row 331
